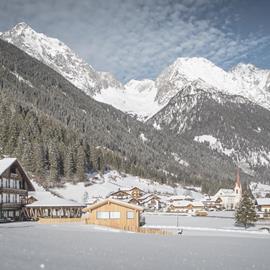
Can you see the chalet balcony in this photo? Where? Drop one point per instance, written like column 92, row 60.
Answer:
column 13, row 190
column 10, row 205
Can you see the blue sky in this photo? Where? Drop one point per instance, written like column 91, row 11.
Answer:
column 139, row 38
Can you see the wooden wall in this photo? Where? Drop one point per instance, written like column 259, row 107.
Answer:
column 123, row 223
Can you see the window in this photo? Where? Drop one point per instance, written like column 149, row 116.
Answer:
column 102, row 215
column 107, row 215
column 114, row 215
column 130, row 215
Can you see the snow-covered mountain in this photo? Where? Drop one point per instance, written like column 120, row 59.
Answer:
column 136, row 98
column 245, row 80
column 229, row 124
column 56, row 55
column 140, row 98
column 251, row 75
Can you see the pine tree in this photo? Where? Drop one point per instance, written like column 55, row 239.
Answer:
column 27, row 157
column 53, row 159
column 80, row 164
column 69, row 166
column 246, row 213
column 39, row 156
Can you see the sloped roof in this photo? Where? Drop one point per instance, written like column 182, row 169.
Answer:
column 263, row 201
column 5, row 163
column 185, row 203
column 225, row 192
column 113, row 201
column 54, row 202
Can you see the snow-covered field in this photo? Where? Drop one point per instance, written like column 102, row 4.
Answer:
column 215, row 222
column 112, row 181
column 78, row 246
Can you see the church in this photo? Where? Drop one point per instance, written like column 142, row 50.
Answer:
column 229, row 199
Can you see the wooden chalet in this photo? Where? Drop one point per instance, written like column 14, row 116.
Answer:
column 114, row 213
column 212, row 203
column 185, row 207
column 14, row 187
column 150, row 201
column 136, row 192
column 120, row 195
column 263, row 204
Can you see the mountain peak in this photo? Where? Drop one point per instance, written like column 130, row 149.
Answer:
column 21, row 25
column 18, row 30
column 244, row 66
column 56, row 55
column 193, row 60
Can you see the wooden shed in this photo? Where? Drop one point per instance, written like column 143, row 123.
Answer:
column 114, row 213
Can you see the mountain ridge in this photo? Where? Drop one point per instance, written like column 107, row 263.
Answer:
column 151, row 97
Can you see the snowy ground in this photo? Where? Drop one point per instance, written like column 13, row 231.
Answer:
column 79, row 246
column 216, row 222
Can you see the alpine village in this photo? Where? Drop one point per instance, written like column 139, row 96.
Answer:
column 96, row 165
column 171, row 172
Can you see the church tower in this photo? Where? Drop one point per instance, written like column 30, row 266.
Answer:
column 237, row 188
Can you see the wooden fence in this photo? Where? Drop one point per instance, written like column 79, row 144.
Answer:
column 155, row 231
column 58, row 220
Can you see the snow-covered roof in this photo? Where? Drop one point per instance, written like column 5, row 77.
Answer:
column 5, row 163
column 225, row 192
column 145, row 196
column 179, row 198
column 113, row 201
column 184, row 203
column 54, row 202
column 263, row 201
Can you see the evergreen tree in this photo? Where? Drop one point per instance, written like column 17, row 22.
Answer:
column 80, row 164
column 39, row 163
column 246, row 213
column 69, row 166
column 27, row 157
column 53, row 159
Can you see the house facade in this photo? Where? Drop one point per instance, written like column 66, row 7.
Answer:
column 14, row 187
column 263, row 205
column 114, row 213
column 185, row 207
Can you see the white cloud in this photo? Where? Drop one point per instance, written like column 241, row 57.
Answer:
column 137, row 39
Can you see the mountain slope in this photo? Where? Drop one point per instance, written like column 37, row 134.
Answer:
column 102, row 86
column 229, row 124
column 31, row 86
column 56, row 55
column 140, row 98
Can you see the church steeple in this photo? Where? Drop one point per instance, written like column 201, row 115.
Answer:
column 238, row 187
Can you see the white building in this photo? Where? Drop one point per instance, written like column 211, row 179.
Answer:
column 230, row 198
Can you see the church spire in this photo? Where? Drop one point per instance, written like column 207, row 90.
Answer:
column 237, row 179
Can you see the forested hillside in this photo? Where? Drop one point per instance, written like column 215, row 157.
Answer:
column 58, row 131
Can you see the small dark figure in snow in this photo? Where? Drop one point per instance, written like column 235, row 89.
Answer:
column 180, row 231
